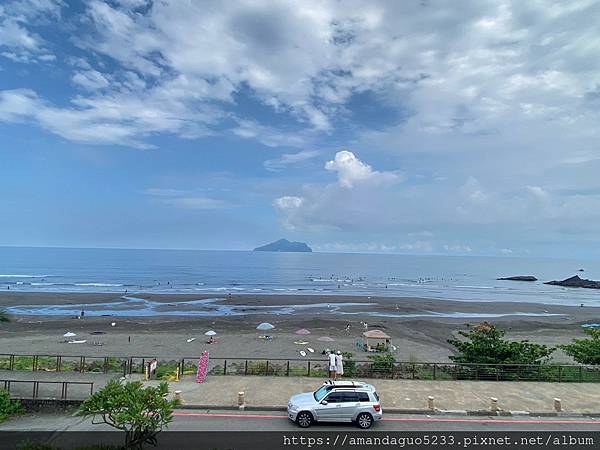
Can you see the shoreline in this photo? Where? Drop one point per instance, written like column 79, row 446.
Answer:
column 419, row 327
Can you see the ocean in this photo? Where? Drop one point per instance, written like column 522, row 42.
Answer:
column 135, row 272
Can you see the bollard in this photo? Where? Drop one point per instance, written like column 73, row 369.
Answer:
column 494, row 404
column 178, row 395
column 430, row 404
column 557, row 404
column 241, row 400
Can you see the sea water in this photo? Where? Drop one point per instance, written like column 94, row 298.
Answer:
column 464, row 278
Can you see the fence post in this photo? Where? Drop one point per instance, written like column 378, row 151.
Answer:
column 540, row 372
column 413, row 371
column 267, row 368
column 246, row 368
column 34, row 363
column 105, row 368
column 287, row 371
column 580, row 374
column 476, row 373
column 62, row 390
column 34, row 390
column 92, row 388
column 130, row 366
column 58, row 363
column 308, row 371
column 434, row 367
column 559, row 374
column 225, row 368
column 11, row 364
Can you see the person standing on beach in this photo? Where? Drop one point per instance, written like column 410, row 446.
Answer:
column 332, row 366
column 339, row 365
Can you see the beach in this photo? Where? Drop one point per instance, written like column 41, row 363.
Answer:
column 161, row 324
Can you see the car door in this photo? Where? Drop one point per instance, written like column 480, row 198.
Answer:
column 350, row 403
column 332, row 411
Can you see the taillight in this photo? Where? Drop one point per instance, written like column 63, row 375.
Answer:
column 377, row 408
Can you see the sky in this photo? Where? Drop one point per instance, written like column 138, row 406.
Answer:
column 460, row 128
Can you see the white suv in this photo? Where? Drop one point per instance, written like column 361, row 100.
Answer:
column 337, row 401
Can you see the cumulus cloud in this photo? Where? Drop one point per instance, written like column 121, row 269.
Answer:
column 352, row 171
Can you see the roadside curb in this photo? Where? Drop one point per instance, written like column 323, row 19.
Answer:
column 437, row 412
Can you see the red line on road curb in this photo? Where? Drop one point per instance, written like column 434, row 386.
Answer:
column 236, row 416
column 406, row 419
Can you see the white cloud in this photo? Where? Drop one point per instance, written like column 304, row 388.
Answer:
column 352, row 171
column 185, row 199
column 91, row 80
column 17, row 20
column 289, row 159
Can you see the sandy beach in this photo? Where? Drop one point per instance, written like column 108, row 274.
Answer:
column 159, row 325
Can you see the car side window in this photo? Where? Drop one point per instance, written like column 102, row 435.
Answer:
column 334, row 397
column 363, row 397
column 350, row 397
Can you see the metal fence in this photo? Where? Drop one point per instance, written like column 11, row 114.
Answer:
column 50, row 389
column 382, row 367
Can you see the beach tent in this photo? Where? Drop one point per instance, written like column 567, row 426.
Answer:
column 376, row 338
column 302, row 331
column 210, row 333
column 265, row 326
column 69, row 334
column 325, row 339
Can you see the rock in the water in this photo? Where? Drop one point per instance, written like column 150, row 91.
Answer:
column 283, row 245
column 520, row 278
column 576, row 282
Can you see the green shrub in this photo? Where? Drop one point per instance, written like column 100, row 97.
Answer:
column 8, row 407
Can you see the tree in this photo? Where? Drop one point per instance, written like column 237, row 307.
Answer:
column 140, row 412
column 485, row 344
column 585, row 351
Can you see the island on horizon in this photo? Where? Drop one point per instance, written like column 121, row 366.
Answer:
column 283, row 245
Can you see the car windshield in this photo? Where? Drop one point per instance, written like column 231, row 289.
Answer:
column 320, row 393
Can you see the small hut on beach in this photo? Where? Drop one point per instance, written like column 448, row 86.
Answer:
column 376, row 340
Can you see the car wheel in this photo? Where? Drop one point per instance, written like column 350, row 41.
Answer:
column 304, row 419
column 364, row 420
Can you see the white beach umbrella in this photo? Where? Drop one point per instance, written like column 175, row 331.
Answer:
column 265, row 326
column 210, row 333
column 303, row 331
column 69, row 334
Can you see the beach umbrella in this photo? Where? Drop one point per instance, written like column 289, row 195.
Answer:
column 210, row 333
column 265, row 326
column 325, row 339
column 69, row 334
column 302, row 331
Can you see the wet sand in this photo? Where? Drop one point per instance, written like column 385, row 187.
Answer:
column 419, row 327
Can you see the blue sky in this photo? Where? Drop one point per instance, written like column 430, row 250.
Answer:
column 409, row 127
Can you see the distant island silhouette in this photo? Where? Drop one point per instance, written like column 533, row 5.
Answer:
column 283, row 245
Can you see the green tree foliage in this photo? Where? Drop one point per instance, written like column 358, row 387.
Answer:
column 4, row 317
column 485, row 344
column 140, row 412
column 585, row 351
column 8, row 407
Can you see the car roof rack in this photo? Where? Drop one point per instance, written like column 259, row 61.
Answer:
column 345, row 384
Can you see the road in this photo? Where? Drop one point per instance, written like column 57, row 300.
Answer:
column 196, row 420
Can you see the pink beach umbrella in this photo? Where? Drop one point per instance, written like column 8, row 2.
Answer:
column 302, row 331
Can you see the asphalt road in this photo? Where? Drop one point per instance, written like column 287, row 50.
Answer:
column 196, row 420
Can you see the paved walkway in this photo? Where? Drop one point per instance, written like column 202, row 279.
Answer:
column 398, row 394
